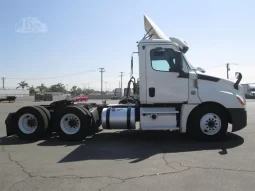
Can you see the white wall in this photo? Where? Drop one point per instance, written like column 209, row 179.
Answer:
column 13, row 92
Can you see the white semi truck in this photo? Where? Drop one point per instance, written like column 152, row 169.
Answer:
column 172, row 95
column 249, row 90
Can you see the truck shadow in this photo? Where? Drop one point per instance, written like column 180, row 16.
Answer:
column 138, row 146
column 131, row 145
column 13, row 140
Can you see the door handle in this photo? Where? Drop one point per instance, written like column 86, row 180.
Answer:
column 152, row 92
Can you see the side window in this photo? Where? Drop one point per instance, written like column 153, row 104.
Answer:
column 163, row 60
column 160, row 65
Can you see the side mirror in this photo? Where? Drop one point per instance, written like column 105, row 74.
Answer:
column 201, row 69
column 238, row 76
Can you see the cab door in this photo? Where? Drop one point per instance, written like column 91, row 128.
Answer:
column 166, row 81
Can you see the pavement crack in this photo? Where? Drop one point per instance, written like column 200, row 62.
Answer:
column 166, row 162
column 215, row 168
column 77, row 176
column 122, row 181
column 142, row 176
column 18, row 164
column 29, row 175
column 17, row 183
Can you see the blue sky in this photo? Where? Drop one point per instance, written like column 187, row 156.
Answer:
column 86, row 35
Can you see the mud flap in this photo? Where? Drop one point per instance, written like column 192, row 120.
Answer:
column 9, row 124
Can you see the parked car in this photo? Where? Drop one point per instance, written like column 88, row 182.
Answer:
column 80, row 98
column 9, row 99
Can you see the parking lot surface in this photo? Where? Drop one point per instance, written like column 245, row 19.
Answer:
column 128, row 160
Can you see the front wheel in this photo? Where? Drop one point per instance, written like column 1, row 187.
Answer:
column 208, row 122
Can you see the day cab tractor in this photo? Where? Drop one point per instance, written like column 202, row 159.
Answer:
column 171, row 94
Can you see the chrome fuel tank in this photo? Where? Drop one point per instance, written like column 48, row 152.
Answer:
column 118, row 118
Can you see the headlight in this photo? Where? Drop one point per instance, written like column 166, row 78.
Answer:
column 241, row 101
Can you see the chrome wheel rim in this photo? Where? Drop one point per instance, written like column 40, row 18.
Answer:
column 70, row 124
column 27, row 123
column 210, row 124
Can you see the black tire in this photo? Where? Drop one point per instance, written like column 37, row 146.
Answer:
column 46, row 111
column 93, row 128
column 85, row 123
column 42, row 123
column 195, row 130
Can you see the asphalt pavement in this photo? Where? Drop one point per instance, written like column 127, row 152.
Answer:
column 128, row 160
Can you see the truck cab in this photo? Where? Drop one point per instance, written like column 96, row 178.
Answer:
column 170, row 81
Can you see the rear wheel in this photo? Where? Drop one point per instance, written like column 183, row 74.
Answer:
column 208, row 122
column 46, row 111
column 30, row 123
column 48, row 115
column 93, row 127
column 73, row 123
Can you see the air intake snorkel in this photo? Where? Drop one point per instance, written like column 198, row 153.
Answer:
column 239, row 78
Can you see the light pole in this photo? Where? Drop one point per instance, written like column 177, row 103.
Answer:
column 102, row 70
column 105, row 86
column 228, row 69
column 121, row 75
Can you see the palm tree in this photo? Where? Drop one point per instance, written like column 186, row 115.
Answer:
column 22, row 85
column 41, row 88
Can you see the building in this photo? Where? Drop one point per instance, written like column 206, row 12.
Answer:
column 13, row 92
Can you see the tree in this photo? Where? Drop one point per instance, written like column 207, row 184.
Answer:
column 75, row 91
column 42, row 88
column 22, row 85
column 57, row 88
column 32, row 91
column 89, row 91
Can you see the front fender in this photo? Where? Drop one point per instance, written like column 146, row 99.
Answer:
column 217, row 92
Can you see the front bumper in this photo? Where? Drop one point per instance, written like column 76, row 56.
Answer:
column 238, row 118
